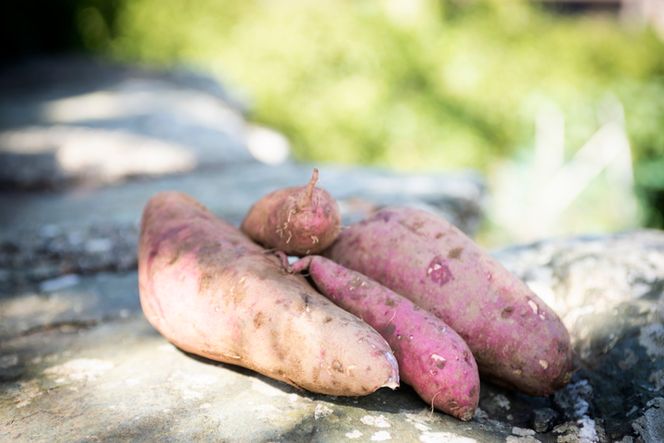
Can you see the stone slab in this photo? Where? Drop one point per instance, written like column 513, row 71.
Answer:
column 79, row 362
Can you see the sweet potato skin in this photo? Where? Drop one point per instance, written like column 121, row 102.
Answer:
column 298, row 220
column 212, row 292
column 432, row 358
column 515, row 337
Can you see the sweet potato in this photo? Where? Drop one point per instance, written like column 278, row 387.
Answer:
column 297, row 220
column 516, row 338
column 212, row 292
column 432, row 358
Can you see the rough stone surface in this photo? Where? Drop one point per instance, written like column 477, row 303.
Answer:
column 120, row 380
column 609, row 291
column 71, row 351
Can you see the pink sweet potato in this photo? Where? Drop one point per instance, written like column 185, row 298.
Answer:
column 432, row 358
column 211, row 291
column 297, row 220
column 515, row 337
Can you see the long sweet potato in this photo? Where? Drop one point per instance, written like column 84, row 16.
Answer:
column 515, row 337
column 432, row 358
column 212, row 292
column 298, row 220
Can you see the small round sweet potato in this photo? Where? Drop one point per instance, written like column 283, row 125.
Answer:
column 297, row 220
column 432, row 358
column 212, row 292
column 515, row 337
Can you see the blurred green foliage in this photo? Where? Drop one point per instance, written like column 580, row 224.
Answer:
column 409, row 84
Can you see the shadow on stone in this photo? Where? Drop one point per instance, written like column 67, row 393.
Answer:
column 384, row 400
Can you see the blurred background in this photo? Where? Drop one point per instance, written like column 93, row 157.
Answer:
column 558, row 104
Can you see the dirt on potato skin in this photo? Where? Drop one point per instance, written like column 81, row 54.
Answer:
column 515, row 337
column 212, row 292
column 298, row 220
column 432, row 357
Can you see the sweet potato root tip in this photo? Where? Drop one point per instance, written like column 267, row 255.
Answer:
column 299, row 266
column 308, row 194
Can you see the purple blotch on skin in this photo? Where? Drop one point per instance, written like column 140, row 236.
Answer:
column 438, row 271
column 385, row 216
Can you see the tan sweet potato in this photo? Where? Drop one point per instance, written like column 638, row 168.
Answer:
column 515, row 337
column 297, row 220
column 432, row 358
column 212, row 292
